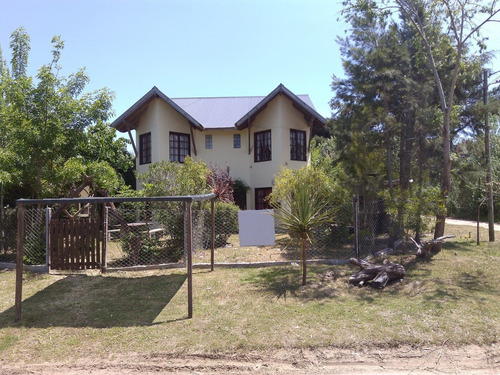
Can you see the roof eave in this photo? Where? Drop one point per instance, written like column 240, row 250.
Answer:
column 123, row 125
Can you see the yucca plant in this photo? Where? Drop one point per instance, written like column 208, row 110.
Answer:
column 301, row 211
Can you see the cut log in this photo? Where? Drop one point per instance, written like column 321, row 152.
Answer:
column 424, row 248
column 379, row 275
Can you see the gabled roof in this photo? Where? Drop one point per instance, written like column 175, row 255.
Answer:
column 304, row 106
column 217, row 113
column 129, row 120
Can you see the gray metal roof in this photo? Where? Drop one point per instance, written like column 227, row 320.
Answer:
column 223, row 112
column 216, row 113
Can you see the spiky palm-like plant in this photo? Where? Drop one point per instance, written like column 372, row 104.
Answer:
column 301, row 211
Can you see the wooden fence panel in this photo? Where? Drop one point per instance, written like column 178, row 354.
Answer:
column 75, row 244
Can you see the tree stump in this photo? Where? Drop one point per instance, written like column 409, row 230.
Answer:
column 424, row 248
column 379, row 275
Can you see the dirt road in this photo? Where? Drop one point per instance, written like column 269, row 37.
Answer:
column 397, row 361
column 470, row 223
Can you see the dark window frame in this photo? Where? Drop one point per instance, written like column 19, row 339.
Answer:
column 260, row 198
column 179, row 146
column 298, row 140
column 145, row 148
column 262, row 146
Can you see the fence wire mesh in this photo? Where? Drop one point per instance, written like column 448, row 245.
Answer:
column 8, row 235
column 142, row 234
column 35, row 236
column 145, row 236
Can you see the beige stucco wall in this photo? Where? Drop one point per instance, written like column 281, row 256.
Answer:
column 223, row 153
column 148, row 123
column 279, row 116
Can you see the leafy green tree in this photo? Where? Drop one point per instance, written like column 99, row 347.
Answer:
column 47, row 120
column 166, row 178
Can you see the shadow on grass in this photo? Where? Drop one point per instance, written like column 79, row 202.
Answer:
column 281, row 281
column 97, row 301
column 285, row 282
column 459, row 246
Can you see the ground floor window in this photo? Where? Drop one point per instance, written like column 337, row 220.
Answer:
column 261, row 203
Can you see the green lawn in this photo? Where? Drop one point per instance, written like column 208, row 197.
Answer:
column 453, row 297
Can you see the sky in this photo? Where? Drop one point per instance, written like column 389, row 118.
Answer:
column 192, row 48
column 188, row 48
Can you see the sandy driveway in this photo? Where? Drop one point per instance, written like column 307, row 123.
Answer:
column 395, row 361
column 449, row 220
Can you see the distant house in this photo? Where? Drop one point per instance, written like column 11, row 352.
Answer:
column 254, row 135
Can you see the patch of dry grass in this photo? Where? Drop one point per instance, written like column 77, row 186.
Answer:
column 452, row 297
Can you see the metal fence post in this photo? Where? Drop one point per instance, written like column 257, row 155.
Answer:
column 356, row 225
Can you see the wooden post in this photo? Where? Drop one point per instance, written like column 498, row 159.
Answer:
column 189, row 241
column 19, row 261
column 105, row 238
column 48, row 213
column 212, row 235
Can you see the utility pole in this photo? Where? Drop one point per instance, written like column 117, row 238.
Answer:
column 489, row 182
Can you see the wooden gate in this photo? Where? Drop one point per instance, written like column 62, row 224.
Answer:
column 75, row 244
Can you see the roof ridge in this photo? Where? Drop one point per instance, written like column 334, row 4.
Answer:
column 227, row 97
column 220, row 97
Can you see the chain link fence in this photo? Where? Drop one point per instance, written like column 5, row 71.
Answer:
column 8, row 235
column 146, row 234
column 143, row 236
column 34, row 236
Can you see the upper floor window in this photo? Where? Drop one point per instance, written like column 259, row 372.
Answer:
column 208, row 141
column 262, row 144
column 236, row 141
column 145, row 148
column 179, row 146
column 297, row 145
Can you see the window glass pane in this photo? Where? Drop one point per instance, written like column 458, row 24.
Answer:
column 208, row 141
column 236, row 141
column 179, row 146
column 262, row 144
column 297, row 145
column 261, row 194
column 145, row 148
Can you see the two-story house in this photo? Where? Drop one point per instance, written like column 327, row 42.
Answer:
column 254, row 135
